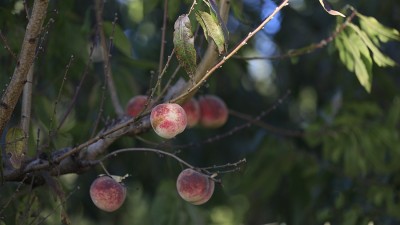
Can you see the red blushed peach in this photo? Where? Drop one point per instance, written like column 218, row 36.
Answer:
column 168, row 120
column 136, row 105
column 192, row 110
column 213, row 111
column 107, row 194
column 194, row 187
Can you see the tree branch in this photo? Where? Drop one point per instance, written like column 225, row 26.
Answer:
column 25, row 61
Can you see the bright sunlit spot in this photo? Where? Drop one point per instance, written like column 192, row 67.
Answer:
column 262, row 75
column 274, row 25
column 265, row 45
column 222, row 215
column 135, row 8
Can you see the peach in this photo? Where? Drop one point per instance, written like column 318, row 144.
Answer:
column 136, row 105
column 213, row 110
column 107, row 194
column 168, row 120
column 192, row 110
column 194, row 187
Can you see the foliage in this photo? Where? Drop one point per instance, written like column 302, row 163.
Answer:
column 326, row 152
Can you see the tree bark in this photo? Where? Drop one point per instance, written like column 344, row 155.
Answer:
column 24, row 63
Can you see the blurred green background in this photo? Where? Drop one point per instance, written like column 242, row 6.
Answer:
column 326, row 154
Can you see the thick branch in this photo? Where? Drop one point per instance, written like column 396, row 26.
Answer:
column 25, row 61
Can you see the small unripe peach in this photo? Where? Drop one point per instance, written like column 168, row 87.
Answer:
column 136, row 105
column 194, row 187
column 192, row 110
column 213, row 110
column 107, row 194
column 168, row 120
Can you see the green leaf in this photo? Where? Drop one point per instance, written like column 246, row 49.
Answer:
column 212, row 29
column 214, row 10
column 15, row 146
column 184, row 44
column 346, row 56
column 377, row 31
column 393, row 114
column 379, row 58
column 121, row 42
column 362, row 60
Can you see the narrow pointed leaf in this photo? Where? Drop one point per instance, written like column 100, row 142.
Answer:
column 363, row 63
column 355, row 55
column 184, row 44
column 215, row 11
column 328, row 8
column 378, row 31
column 15, row 146
column 345, row 51
column 212, row 29
column 379, row 58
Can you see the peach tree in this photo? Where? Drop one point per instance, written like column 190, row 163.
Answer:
column 199, row 112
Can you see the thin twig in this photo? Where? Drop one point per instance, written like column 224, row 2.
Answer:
column 99, row 4
column 308, row 49
column 277, row 130
column 158, row 151
column 52, row 119
column 78, row 89
column 163, row 32
column 7, row 46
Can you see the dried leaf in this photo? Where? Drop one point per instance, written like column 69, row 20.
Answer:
column 215, row 11
column 184, row 44
column 15, row 146
column 328, row 8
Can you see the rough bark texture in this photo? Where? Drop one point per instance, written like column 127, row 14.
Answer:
column 25, row 61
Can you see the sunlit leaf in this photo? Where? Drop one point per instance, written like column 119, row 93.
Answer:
column 377, row 31
column 212, row 29
column 345, row 56
column 363, row 61
column 120, row 41
column 184, row 44
column 215, row 12
column 379, row 58
column 328, row 8
column 15, row 146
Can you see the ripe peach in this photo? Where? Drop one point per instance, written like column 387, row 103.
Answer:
column 168, row 120
column 107, row 194
column 192, row 110
column 136, row 105
column 194, row 187
column 213, row 110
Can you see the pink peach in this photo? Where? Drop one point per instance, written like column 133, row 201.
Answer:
column 192, row 109
column 168, row 120
column 194, row 187
column 107, row 194
column 213, row 110
column 136, row 105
